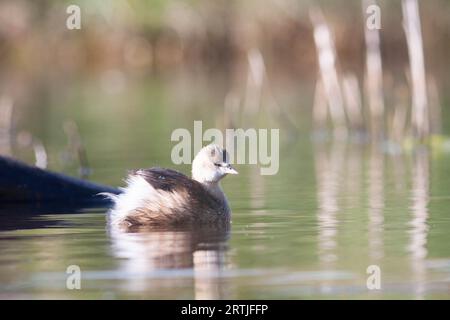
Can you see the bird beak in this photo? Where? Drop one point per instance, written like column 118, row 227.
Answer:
column 230, row 170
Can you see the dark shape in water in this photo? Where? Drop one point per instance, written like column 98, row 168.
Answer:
column 31, row 186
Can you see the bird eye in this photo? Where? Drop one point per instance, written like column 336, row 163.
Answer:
column 217, row 164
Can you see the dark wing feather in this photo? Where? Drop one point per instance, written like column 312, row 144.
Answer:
column 164, row 179
column 174, row 181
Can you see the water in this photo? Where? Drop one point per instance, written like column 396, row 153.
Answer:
column 311, row 231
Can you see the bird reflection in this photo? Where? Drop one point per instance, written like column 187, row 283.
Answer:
column 146, row 253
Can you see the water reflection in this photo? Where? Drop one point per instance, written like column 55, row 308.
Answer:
column 376, row 203
column 21, row 216
column 343, row 174
column 419, row 228
column 329, row 167
column 147, row 253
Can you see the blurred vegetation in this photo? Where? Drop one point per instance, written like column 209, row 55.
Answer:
column 149, row 36
column 182, row 52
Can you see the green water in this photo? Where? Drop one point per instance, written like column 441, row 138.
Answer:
column 310, row 231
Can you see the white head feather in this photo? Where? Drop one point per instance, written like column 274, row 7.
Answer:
column 211, row 164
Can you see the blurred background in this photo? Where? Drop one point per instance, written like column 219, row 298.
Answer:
column 363, row 116
column 203, row 59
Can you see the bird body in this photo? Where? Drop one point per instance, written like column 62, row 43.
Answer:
column 158, row 196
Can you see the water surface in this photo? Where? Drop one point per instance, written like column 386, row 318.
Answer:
column 311, row 231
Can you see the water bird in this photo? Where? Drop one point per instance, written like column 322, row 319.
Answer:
column 165, row 197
